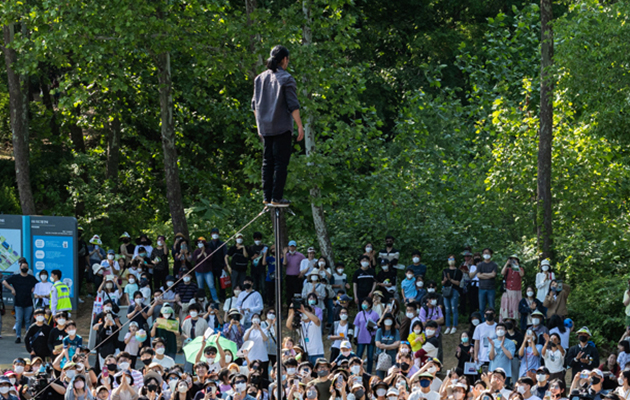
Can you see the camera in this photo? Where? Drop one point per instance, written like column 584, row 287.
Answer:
column 297, row 301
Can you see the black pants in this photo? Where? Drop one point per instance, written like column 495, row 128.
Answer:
column 276, row 156
column 293, row 286
column 159, row 278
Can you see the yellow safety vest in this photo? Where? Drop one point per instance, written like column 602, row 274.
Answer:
column 63, row 296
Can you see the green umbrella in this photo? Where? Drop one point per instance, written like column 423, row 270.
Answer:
column 192, row 348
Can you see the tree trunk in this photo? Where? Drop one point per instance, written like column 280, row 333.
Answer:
column 319, row 219
column 18, row 104
column 171, row 170
column 48, row 103
column 113, row 153
column 78, row 141
column 546, row 129
column 250, row 6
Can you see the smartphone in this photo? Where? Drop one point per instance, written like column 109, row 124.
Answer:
column 484, row 369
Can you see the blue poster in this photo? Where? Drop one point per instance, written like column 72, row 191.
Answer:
column 55, row 252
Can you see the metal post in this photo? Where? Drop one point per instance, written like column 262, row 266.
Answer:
column 278, row 273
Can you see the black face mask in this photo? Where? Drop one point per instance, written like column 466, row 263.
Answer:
column 490, row 317
column 477, row 260
column 152, row 387
column 322, row 373
column 255, row 379
column 111, row 367
column 359, row 393
column 595, row 380
column 125, row 240
column 390, row 244
column 24, row 270
column 583, row 338
column 404, row 366
column 146, row 361
column 247, row 286
column 509, row 326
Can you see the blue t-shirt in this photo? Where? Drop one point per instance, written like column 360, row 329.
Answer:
column 418, row 270
column 500, row 359
column 409, row 288
column 71, row 345
column 271, row 268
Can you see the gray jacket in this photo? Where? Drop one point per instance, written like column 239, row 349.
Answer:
column 275, row 98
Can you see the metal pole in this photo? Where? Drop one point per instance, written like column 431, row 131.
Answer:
column 278, row 272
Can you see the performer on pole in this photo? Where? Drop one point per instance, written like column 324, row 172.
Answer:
column 275, row 105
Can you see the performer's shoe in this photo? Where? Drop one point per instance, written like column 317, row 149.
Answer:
column 280, row 203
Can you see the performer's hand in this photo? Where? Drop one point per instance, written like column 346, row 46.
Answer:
column 300, row 134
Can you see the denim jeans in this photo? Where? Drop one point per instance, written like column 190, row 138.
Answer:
column 451, row 308
column 329, row 310
column 313, row 359
column 486, row 294
column 208, row 277
column 370, row 355
column 22, row 314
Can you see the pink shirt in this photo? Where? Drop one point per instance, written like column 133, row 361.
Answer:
column 293, row 263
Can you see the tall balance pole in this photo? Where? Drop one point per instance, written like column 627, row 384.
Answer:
column 278, row 272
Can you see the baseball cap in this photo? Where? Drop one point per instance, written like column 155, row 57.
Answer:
column 292, row 243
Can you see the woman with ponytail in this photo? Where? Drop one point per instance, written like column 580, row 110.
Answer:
column 275, row 105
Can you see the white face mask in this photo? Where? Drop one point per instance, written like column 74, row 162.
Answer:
column 321, row 263
column 4, row 389
column 193, row 314
column 132, row 280
column 187, row 279
column 257, row 242
column 110, row 256
column 385, row 267
column 109, row 285
column 381, row 392
column 389, row 322
column 304, row 317
column 271, row 316
column 240, row 387
column 419, row 284
column 314, row 278
column 124, row 365
column 620, row 381
column 404, row 350
column 368, row 249
column 486, row 256
column 530, row 293
column 340, row 271
column 61, row 321
column 365, row 264
column 169, row 283
column 433, row 302
column 430, row 332
column 541, row 377
column 182, row 388
column 107, row 308
column 431, row 290
column 40, row 318
column 72, row 332
column 138, row 301
column 290, row 371
column 19, row 369
column 215, row 236
column 43, row 278
column 71, row 373
column 417, row 331
column 409, row 276
column 160, row 350
column 475, row 322
column 200, row 245
column 410, row 315
column 432, row 370
column 392, row 398
column 416, row 260
column 237, row 292
column 500, row 333
column 343, row 316
column 228, row 358
column 239, row 240
column 545, row 268
column 355, row 369
column 536, row 321
column 521, row 389
column 255, row 321
column 160, row 243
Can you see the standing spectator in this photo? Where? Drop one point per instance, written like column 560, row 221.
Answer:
column 530, row 353
column 408, row 287
column 257, row 253
column 203, row 267
column 291, row 261
column 269, row 266
column 583, row 355
column 257, row 334
column 486, row 272
column 484, row 331
column 386, row 280
column 512, row 273
column 234, row 330
column 110, row 265
column 451, row 277
column 71, row 342
column 340, row 279
column 143, row 241
column 311, row 333
column 160, row 357
column 109, row 290
column 556, row 325
column 307, row 265
column 340, row 332
column 275, row 105
column 315, row 287
column 41, row 293
column 186, row 291
column 168, row 336
column 556, row 300
column 231, row 302
column 389, row 253
column 96, row 254
column 240, row 260
column 363, row 281
column 269, row 327
column 365, row 324
column 387, row 339
column 21, row 286
column 36, row 338
column 182, row 256
column 126, row 247
column 369, row 251
column 417, row 267
column 159, row 256
column 466, row 305
column 553, row 354
column 543, row 279
column 501, row 351
column 57, row 333
column 218, row 260
column 527, row 306
column 249, row 302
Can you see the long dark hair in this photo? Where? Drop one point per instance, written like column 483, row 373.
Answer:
column 277, row 54
column 556, row 322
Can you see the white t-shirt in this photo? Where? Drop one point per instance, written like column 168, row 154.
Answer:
column 533, row 397
column 43, row 289
column 339, row 280
column 230, row 303
column 259, row 351
column 471, row 270
column 564, row 337
column 307, row 265
column 482, row 332
column 436, row 384
column 431, row 395
column 340, row 329
column 554, row 361
column 166, row 362
column 313, row 341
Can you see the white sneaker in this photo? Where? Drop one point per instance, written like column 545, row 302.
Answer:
column 447, row 331
column 453, row 330
column 81, row 300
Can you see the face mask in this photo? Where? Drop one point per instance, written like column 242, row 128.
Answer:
column 193, row 314
column 160, row 350
column 355, row 369
column 182, row 388
column 345, row 353
column 314, row 278
column 271, row 316
column 304, row 317
column 228, row 358
column 545, row 268
column 321, row 373
column 541, row 378
column 40, row 318
column 475, row 322
column 359, row 393
column 417, row 331
column 169, row 283
column 451, row 261
column 381, row 392
column 431, row 290
column 404, row 350
column 368, row 249
column 433, row 302
column 365, row 264
column 430, row 332
column 247, row 286
column 425, row 383
column 239, row 240
column 215, row 236
column 187, row 279
column 200, row 245
column 110, row 256
column 290, row 371
column 419, row 284
column 19, row 369
column 297, row 396
column 4, row 389
column 409, row 276
column 416, row 260
column 620, row 381
column 142, row 254
column 530, row 293
column 389, row 322
column 237, row 292
column 340, row 271
column 71, row 373
column 43, row 278
column 166, row 315
column 322, row 263
column 132, row 280
column 61, row 321
column 500, row 333
column 160, row 243
column 489, row 317
column 486, row 256
column 240, row 387
column 385, row 267
column 595, row 380
column 107, row 309
column 72, row 332
column 583, row 338
column 536, row 321
column 111, row 367
column 312, row 302
column 256, row 321
column 257, row 242
column 139, row 301
column 109, row 285
column 364, row 307
column 343, row 316
column 465, row 339
column 392, row 398
column 152, row 387
column 146, row 361
column 124, row 365
column 521, row 389
column 410, row 315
